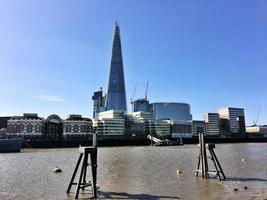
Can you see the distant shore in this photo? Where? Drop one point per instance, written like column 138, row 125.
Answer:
column 127, row 142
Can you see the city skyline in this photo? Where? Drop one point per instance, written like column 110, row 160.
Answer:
column 209, row 56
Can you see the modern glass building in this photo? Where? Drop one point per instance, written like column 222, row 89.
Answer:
column 116, row 97
column 178, row 112
column 98, row 103
column 212, row 123
column 233, row 120
column 141, row 105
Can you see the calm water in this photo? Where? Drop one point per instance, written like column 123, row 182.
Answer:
column 136, row 173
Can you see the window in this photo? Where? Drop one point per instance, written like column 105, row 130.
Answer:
column 21, row 128
column 83, row 129
column 75, row 127
column 29, row 128
column 38, row 128
column 67, row 129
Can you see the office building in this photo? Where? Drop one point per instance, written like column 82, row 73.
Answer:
column 198, row 126
column 141, row 105
column 178, row 112
column 98, row 103
column 212, row 121
column 163, row 129
column 145, row 119
column 110, row 124
column 116, row 97
column 232, row 121
column 181, row 129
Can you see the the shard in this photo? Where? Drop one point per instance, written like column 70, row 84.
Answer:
column 116, row 97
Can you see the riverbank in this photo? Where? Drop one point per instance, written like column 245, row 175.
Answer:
column 129, row 142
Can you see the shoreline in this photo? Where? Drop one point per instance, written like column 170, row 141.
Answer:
column 129, row 142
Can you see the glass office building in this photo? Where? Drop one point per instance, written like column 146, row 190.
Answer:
column 141, row 105
column 116, row 97
column 178, row 112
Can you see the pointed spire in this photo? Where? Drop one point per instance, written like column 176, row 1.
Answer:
column 116, row 97
column 116, row 23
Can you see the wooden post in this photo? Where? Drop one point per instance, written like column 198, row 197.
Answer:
column 202, row 165
column 94, row 171
column 74, row 173
column 94, row 139
column 81, row 184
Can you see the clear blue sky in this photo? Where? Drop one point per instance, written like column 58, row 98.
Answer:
column 55, row 53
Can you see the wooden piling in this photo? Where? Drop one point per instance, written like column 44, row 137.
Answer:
column 202, row 165
column 85, row 152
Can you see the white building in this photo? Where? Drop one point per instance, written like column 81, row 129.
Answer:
column 257, row 130
column 143, row 118
column 110, row 124
column 163, row 128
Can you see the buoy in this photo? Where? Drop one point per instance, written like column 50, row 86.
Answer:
column 56, row 169
column 243, row 159
column 235, row 189
column 245, row 187
column 178, row 171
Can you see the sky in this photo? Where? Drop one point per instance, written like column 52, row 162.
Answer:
column 55, row 53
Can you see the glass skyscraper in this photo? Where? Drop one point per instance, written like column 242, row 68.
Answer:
column 116, row 97
column 178, row 112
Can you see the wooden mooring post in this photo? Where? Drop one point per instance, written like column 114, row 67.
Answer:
column 202, row 165
column 82, row 183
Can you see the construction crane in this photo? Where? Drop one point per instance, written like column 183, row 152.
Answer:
column 132, row 99
column 257, row 119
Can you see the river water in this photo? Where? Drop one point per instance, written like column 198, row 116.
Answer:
column 144, row 172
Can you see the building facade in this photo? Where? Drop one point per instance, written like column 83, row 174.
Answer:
column 144, row 119
column 257, row 131
column 163, row 129
column 178, row 112
column 28, row 126
column 212, row 123
column 232, row 121
column 98, row 103
column 198, row 126
column 116, row 96
column 110, row 124
column 182, row 129
column 75, row 126
column 141, row 105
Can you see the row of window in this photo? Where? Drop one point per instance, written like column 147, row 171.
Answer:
column 84, row 128
column 18, row 128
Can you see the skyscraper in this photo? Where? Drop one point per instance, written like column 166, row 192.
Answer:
column 116, row 97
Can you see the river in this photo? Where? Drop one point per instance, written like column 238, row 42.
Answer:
column 137, row 172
